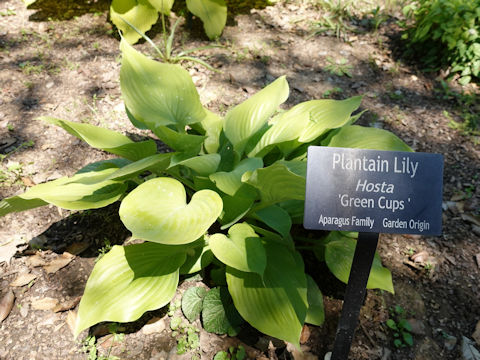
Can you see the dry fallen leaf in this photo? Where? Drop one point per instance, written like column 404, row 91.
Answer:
column 67, row 305
column 35, row 261
column 47, row 303
column 420, row 257
column 472, row 219
column 59, row 262
column 23, row 279
column 71, row 320
column 458, row 196
column 305, row 335
column 6, row 304
column 24, row 310
column 27, row 181
column 300, row 355
column 9, row 247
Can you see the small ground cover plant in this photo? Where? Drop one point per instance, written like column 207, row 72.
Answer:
column 400, row 327
column 227, row 197
column 446, row 33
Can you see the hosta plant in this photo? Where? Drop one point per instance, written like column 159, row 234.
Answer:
column 226, row 198
column 143, row 14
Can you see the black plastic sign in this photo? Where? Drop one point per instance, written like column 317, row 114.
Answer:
column 373, row 191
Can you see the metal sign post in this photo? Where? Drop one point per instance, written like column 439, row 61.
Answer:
column 371, row 192
column 354, row 294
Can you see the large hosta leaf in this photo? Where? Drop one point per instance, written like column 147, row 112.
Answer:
column 339, row 258
column 116, row 163
column 163, row 6
column 139, row 13
column 247, row 118
column 277, row 218
column 315, row 313
column 242, row 249
column 157, row 211
column 16, row 204
column 105, row 139
column 203, row 165
column 276, row 183
column 361, row 137
column 87, row 190
column 158, row 162
column 236, row 207
column 198, row 257
column 213, row 13
column 277, row 304
column 158, row 94
column 213, row 125
column 180, row 141
column 230, row 182
column 307, row 121
column 128, row 281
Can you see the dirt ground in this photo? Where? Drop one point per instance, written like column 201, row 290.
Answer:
column 69, row 68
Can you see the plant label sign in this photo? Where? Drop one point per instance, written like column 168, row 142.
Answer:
column 373, row 191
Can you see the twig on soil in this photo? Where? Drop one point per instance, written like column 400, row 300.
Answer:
column 374, row 344
column 9, row 273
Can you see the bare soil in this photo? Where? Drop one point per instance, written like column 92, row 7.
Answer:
column 65, row 64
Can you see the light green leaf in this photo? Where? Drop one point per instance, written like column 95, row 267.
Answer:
column 247, row 118
column 298, row 167
column 90, row 190
column 221, row 355
column 104, row 164
column 163, row 6
column 192, row 302
column 464, row 80
column 181, row 142
column 157, row 211
column 236, row 207
column 128, row 281
column 307, row 121
column 329, row 114
column 242, row 249
column 202, row 183
column 158, row 94
column 213, row 125
column 219, row 314
column 230, row 182
column 139, row 13
column 213, row 13
column 360, row 137
column 339, row 258
column 200, row 260
column 277, row 218
column 315, row 312
column 276, row 183
column 138, row 124
column 276, row 305
column 203, row 165
column 17, row 204
column 105, row 139
column 157, row 161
